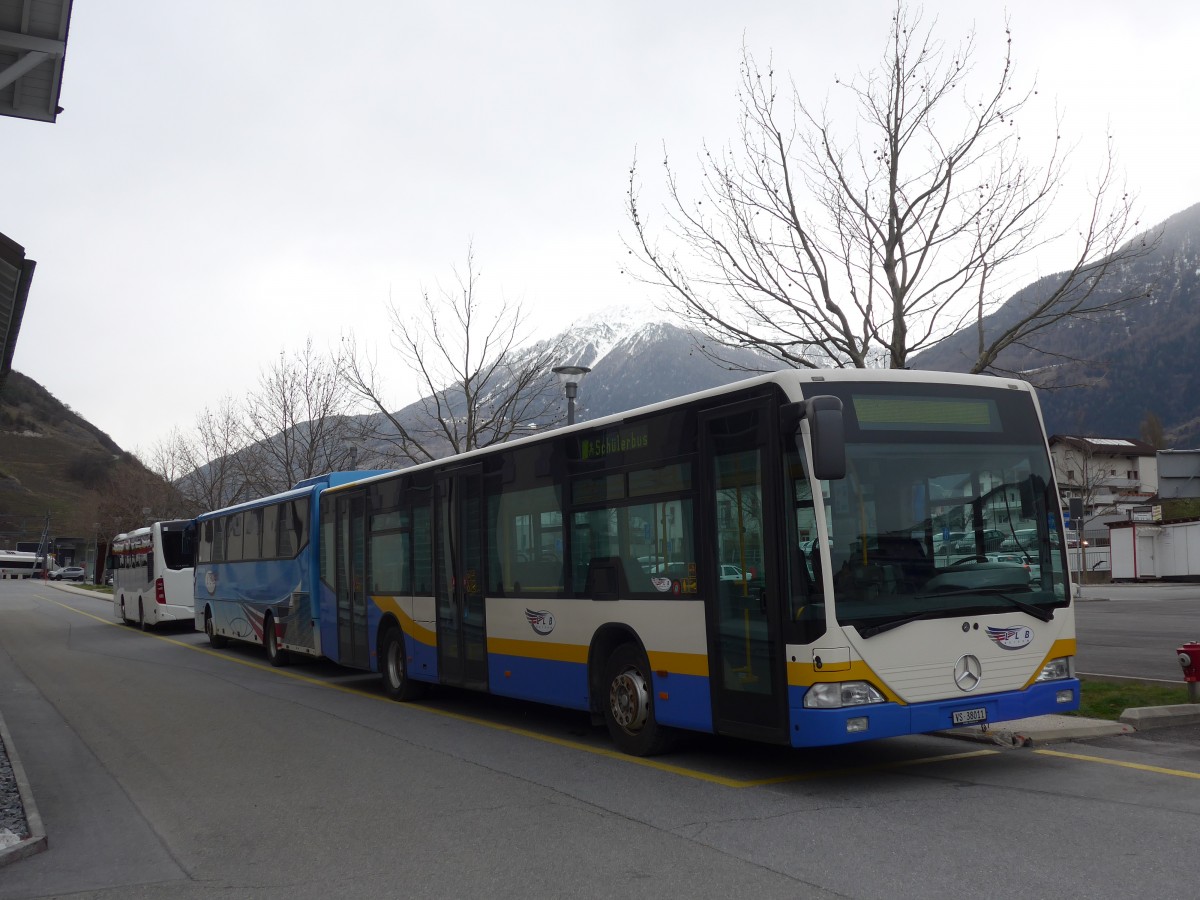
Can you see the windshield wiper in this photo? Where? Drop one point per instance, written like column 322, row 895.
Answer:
column 865, row 633
column 1036, row 611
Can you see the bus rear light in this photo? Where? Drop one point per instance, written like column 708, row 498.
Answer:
column 835, row 695
column 160, row 592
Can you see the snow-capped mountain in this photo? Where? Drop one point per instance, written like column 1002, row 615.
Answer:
column 638, row 358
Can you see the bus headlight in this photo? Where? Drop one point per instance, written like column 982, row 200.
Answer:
column 843, row 693
column 1057, row 669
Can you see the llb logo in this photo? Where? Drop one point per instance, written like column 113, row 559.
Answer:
column 540, row 620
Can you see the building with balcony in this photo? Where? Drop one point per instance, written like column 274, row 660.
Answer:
column 1110, row 476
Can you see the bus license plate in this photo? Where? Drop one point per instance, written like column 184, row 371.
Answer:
column 969, row 716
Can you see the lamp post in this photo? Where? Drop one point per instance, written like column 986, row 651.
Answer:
column 569, row 377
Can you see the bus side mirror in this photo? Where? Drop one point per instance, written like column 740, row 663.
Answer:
column 826, row 431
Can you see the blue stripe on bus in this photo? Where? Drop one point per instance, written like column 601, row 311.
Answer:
column 687, row 704
column 823, row 727
column 421, row 659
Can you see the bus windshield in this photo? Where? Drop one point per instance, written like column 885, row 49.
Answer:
column 926, row 524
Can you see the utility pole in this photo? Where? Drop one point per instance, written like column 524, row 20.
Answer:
column 44, row 547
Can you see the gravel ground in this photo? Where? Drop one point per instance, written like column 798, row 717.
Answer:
column 13, row 827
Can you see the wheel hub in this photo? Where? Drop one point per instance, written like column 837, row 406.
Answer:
column 629, row 698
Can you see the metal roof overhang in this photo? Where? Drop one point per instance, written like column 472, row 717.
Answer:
column 33, row 43
column 16, row 273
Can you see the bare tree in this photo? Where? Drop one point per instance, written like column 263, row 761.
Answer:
column 134, row 496
column 1152, row 431
column 822, row 249
column 300, row 422
column 205, row 464
column 478, row 387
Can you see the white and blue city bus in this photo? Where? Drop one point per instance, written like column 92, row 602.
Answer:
column 767, row 560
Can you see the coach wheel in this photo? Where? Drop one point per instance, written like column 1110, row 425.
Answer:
column 216, row 640
column 394, row 668
column 142, row 623
column 629, row 709
column 276, row 655
column 124, row 621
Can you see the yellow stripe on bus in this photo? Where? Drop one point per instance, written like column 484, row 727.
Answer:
column 1061, row 647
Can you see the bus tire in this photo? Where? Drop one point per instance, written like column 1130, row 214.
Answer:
column 217, row 641
column 276, row 655
column 629, row 704
column 393, row 668
column 124, row 620
column 142, row 623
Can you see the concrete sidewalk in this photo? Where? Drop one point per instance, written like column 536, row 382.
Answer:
column 32, row 839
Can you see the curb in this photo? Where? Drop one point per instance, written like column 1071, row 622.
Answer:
column 1144, row 717
column 37, row 841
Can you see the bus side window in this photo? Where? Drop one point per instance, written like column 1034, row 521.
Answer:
column 422, row 573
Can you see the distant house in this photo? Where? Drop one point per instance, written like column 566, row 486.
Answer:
column 1111, row 476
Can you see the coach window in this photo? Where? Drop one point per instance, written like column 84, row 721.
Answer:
column 286, row 544
column 218, row 541
column 204, row 551
column 233, row 538
column 252, row 534
column 270, row 532
column 299, row 524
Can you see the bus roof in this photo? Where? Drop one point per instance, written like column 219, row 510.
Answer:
column 785, row 378
column 301, row 489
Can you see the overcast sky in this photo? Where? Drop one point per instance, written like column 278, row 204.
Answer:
column 229, row 177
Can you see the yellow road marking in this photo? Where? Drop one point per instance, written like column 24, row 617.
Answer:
column 617, row 755
column 1178, row 773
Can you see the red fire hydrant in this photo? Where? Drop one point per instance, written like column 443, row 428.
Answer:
column 1189, row 658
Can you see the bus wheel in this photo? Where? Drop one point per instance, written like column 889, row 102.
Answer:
column 142, row 623
column 276, row 655
column 629, row 708
column 216, row 640
column 394, row 668
column 124, row 621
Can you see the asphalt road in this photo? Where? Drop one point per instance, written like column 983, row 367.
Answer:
column 1133, row 630
column 165, row 769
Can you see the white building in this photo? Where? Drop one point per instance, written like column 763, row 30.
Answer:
column 1111, row 476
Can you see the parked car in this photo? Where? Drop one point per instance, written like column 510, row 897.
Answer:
column 731, row 573
column 992, row 539
column 68, row 573
column 1020, row 541
column 946, row 544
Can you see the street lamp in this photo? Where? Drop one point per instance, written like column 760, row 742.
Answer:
column 569, row 377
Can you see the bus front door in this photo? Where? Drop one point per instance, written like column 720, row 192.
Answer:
column 461, row 626
column 352, row 579
column 746, row 668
